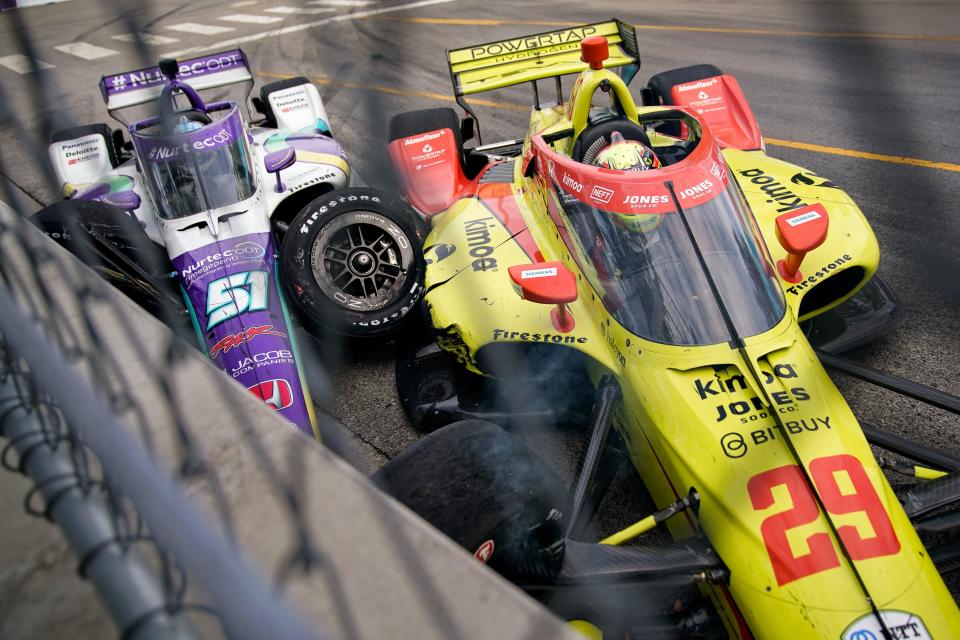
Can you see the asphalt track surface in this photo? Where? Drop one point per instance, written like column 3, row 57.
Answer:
column 863, row 93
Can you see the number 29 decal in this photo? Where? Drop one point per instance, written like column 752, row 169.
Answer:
column 235, row 294
column 855, row 495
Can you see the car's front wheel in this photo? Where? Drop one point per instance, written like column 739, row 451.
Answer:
column 353, row 263
column 486, row 490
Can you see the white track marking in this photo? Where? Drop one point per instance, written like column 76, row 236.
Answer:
column 85, row 50
column 148, row 38
column 21, row 63
column 202, row 29
column 246, row 18
column 245, row 3
column 226, row 44
column 306, row 11
column 343, row 3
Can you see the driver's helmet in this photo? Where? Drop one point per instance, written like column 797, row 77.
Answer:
column 626, row 155
column 185, row 125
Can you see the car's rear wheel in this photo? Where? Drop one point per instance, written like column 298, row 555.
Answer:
column 353, row 263
column 113, row 244
column 483, row 488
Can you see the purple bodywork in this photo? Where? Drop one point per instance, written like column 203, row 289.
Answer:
column 240, row 317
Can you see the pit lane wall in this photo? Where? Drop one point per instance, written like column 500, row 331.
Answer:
column 378, row 572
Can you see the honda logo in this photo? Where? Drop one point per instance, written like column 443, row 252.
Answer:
column 276, row 394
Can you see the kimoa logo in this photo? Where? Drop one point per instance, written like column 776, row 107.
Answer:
column 423, row 138
column 573, row 184
column 479, row 244
column 776, row 192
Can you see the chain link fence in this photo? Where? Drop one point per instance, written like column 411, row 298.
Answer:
column 161, row 471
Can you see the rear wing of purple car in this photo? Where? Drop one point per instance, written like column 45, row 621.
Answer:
column 132, row 88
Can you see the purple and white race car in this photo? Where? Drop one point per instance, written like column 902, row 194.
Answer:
column 188, row 217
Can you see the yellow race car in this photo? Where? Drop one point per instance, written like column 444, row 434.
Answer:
column 649, row 250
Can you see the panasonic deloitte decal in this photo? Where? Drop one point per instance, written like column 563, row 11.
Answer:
column 162, row 152
column 775, row 191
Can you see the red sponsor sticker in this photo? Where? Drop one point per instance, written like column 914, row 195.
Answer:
column 484, row 551
column 276, row 394
column 236, row 339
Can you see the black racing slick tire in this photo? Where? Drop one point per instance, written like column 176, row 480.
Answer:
column 486, row 490
column 113, row 244
column 353, row 263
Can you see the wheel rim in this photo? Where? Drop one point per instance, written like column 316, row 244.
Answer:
column 361, row 260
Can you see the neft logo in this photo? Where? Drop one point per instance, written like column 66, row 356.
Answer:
column 804, row 217
column 601, row 194
column 538, row 273
column 276, row 394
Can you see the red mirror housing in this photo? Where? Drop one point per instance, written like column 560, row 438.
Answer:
column 547, row 283
column 799, row 232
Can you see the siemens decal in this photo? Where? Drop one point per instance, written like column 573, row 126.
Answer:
column 775, row 191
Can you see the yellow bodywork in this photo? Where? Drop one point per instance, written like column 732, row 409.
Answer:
column 699, row 418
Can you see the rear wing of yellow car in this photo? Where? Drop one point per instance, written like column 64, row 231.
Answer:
column 551, row 54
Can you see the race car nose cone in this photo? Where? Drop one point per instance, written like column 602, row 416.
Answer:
column 594, row 51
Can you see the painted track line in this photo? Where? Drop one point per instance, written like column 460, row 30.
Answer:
column 226, row 44
column 305, row 11
column 20, row 63
column 200, row 29
column 514, row 106
column 147, row 38
column 246, row 18
column 342, row 3
column 863, row 155
column 85, row 50
column 676, row 27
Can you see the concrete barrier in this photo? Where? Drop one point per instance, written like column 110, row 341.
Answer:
column 379, row 571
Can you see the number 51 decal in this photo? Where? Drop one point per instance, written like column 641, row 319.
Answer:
column 236, row 294
column 855, row 495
